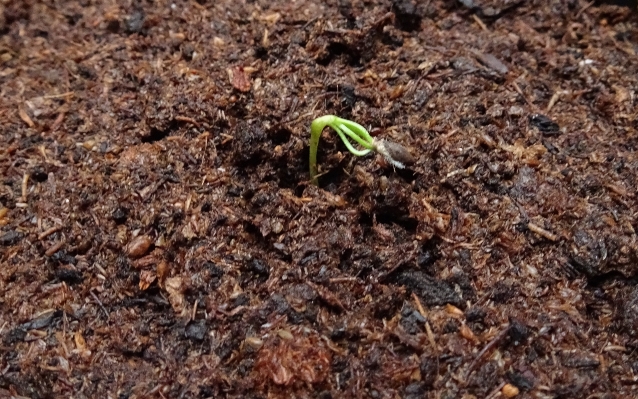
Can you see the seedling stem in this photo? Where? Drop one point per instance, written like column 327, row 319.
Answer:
column 395, row 154
column 344, row 128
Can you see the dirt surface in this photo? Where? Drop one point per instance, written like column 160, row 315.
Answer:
column 159, row 236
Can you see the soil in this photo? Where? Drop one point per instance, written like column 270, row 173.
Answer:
column 160, row 238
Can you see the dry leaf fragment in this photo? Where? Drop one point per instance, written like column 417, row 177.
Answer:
column 300, row 358
column 281, row 375
column 218, row 42
column 25, row 117
column 175, row 289
column 467, row 333
column 80, row 343
column 146, row 279
column 509, row 390
column 622, row 94
column 397, row 92
column 239, row 79
column 162, row 272
column 454, row 311
column 527, row 154
column 188, row 233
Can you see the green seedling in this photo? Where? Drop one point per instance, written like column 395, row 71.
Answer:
column 397, row 155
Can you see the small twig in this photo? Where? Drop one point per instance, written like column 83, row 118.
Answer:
column 618, row 190
column 58, row 121
column 328, row 296
column 553, row 101
column 227, row 138
column 419, row 307
column 611, row 348
column 490, row 345
column 430, row 335
column 388, row 273
column 101, row 305
column 519, row 91
column 307, row 24
column 187, row 119
column 55, row 247
column 495, row 391
column 384, row 20
column 194, row 309
column 585, row 7
column 67, row 94
column 542, row 232
column 25, row 187
column 328, row 94
column 480, row 23
column 48, row 232
column 157, row 387
column 342, row 279
column 291, row 121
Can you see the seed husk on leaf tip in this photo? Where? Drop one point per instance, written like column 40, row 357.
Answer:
column 395, row 153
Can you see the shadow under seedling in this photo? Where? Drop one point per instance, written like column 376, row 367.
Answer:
column 396, row 154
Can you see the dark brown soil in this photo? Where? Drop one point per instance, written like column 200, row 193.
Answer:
column 159, row 237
